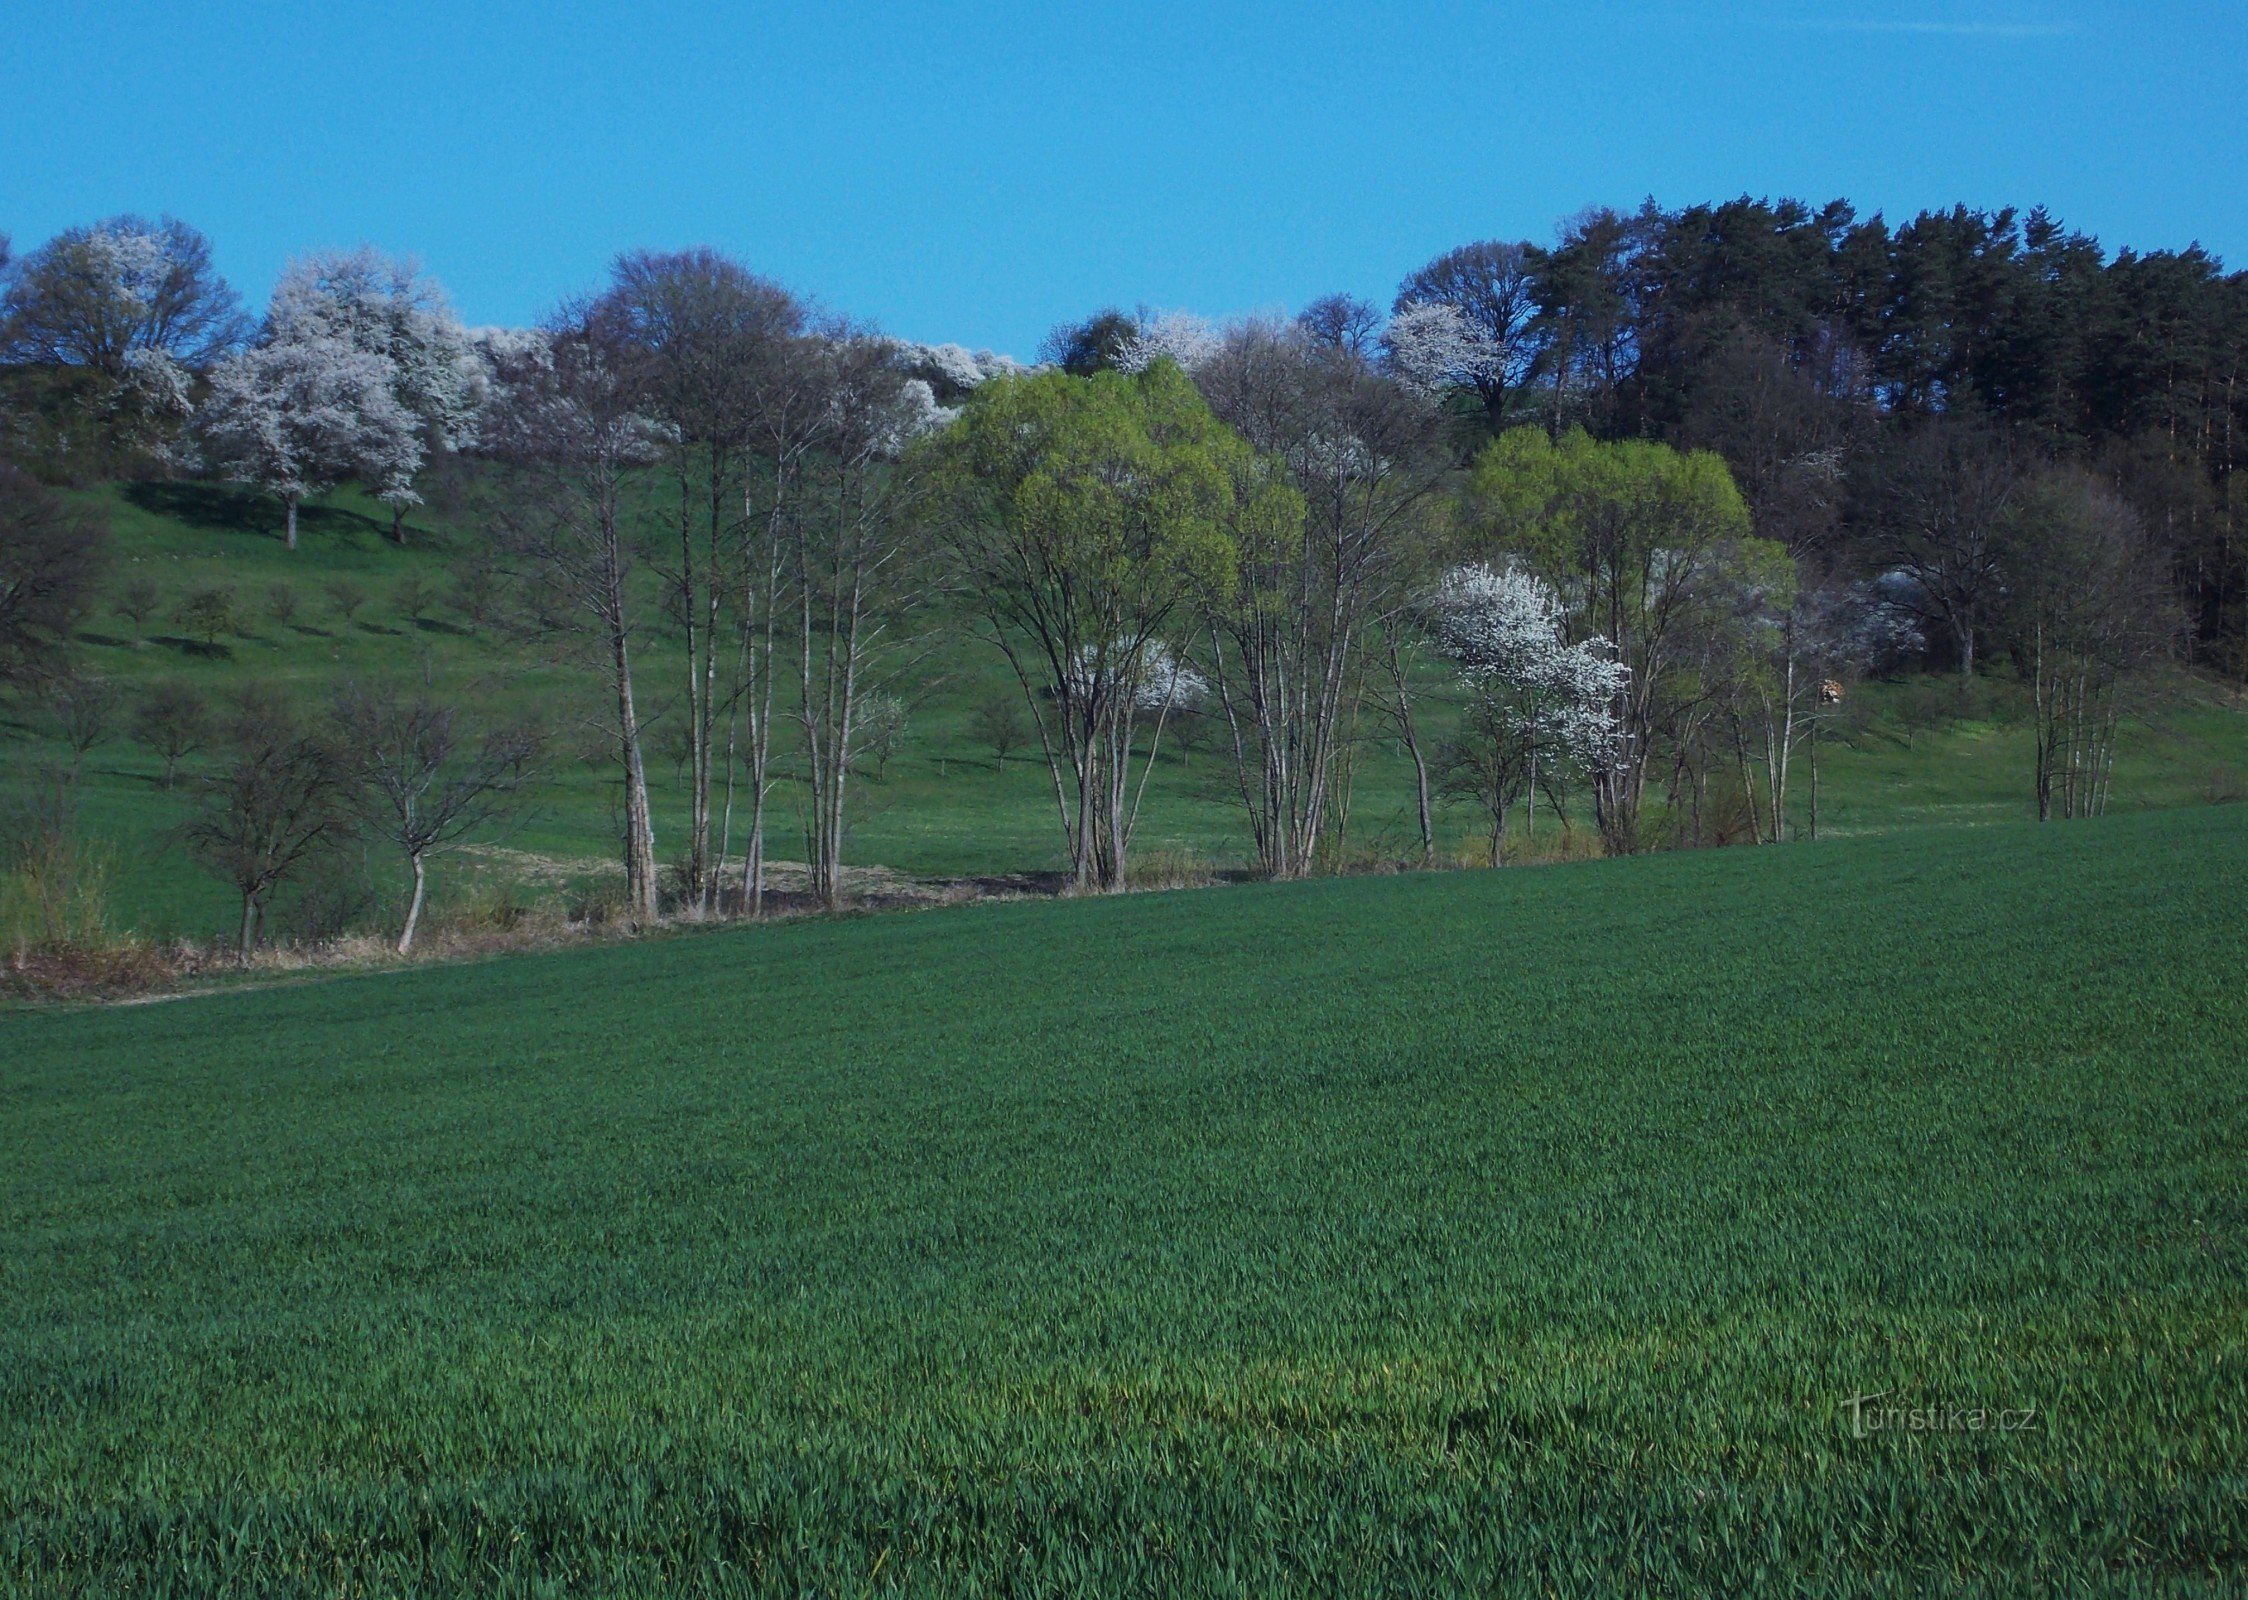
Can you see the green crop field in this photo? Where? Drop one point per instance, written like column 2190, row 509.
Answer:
column 942, row 807
column 1486, row 1232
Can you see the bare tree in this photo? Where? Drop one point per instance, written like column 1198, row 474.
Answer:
column 51, row 562
column 2092, row 610
column 1344, row 322
column 173, row 721
column 137, row 601
column 1942, row 492
column 699, row 336
column 575, row 445
column 275, row 802
column 83, row 709
column 419, row 785
column 1316, row 568
column 853, row 552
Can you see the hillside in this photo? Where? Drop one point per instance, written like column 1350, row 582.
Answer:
column 942, row 806
column 1529, row 1230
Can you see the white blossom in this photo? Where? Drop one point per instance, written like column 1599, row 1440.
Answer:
column 1433, row 348
column 1157, row 679
column 1503, row 627
column 1184, row 337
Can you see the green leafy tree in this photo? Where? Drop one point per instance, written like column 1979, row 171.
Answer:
column 1081, row 515
column 1653, row 551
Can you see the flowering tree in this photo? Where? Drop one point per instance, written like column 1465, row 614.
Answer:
column 1433, row 348
column 1540, row 702
column 382, row 307
column 295, row 415
column 1180, row 336
column 134, row 305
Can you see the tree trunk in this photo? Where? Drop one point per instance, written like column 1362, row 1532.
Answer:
column 249, row 929
column 414, row 909
column 640, row 841
column 291, row 527
column 398, row 526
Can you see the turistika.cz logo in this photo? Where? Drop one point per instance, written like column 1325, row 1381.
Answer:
column 1869, row 1416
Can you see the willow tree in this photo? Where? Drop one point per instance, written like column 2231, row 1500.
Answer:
column 1652, row 550
column 1082, row 516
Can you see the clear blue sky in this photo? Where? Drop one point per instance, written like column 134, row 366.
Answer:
column 979, row 172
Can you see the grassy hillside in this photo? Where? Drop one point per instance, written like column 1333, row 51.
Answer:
column 944, row 806
column 1525, row 1231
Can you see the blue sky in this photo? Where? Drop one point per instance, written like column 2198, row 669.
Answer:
column 979, row 172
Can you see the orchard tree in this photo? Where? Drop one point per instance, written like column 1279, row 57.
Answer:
column 1081, row 515
column 384, row 308
column 296, row 415
column 274, row 802
column 173, row 721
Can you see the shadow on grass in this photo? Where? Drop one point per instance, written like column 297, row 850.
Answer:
column 436, row 625
column 229, row 508
column 109, row 641
column 201, row 649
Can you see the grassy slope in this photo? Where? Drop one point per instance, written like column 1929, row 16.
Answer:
column 944, row 806
column 1427, row 1232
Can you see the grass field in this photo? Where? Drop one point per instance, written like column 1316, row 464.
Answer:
column 1521, row 1232
column 943, row 807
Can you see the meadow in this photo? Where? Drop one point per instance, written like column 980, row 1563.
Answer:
column 1485, row 1232
column 943, row 807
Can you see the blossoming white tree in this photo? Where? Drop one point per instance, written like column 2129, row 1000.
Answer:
column 385, row 308
column 1540, row 701
column 1181, row 336
column 294, row 416
column 1434, row 348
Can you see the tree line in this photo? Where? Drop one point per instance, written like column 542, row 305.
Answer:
column 1649, row 498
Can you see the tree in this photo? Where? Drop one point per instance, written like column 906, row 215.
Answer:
column 379, row 307
column 1654, row 552
column 1326, row 524
column 413, row 597
column 274, row 802
column 997, row 721
column 132, row 307
column 301, row 411
column 2091, row 610
column 1490, row 290
column 345, row 599
column 52, row 557
column 84, row 712
column 854, row 564
column 700, row 338
column 208, row 612
column 417, row 783
column 1539, row 703
column 1095, row 345
column 1080, row 515
column 281, row 602
column 574, row 446
column 138, row 600
column 1941, row 496
column 174, row 722
column 1343, row 322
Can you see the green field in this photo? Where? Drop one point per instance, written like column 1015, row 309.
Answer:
column 1500, row 1232
column 944, row 807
